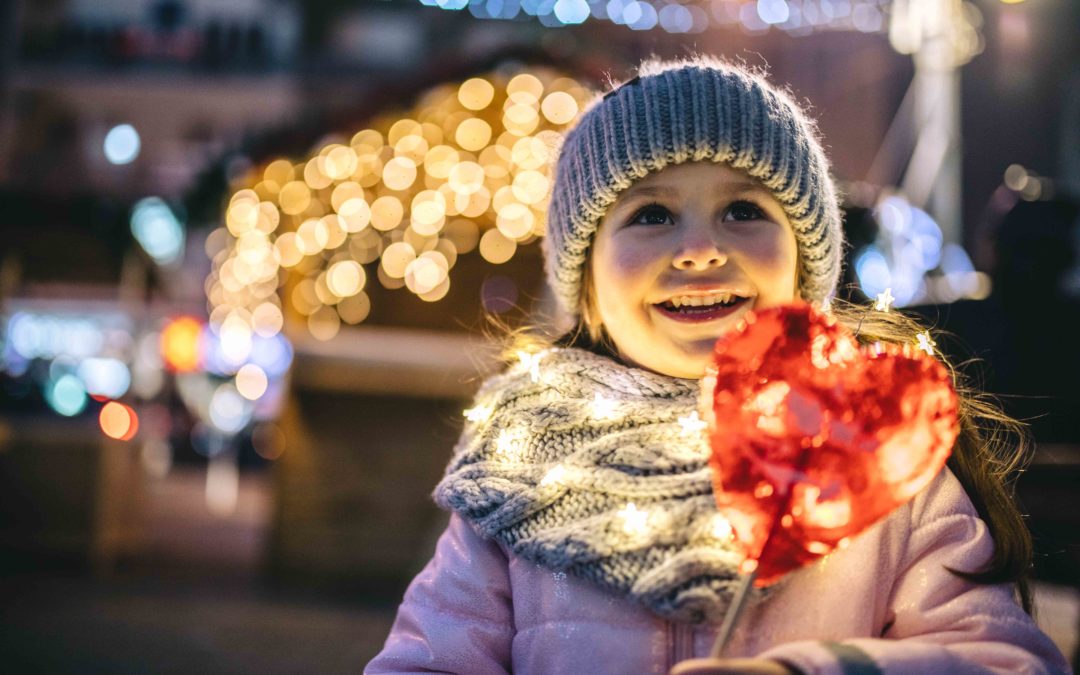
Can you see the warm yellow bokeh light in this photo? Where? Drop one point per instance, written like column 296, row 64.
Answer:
column 428, row 212
column 463, row 233
column 448, row 250
column 355, row 214
column 401, row 129
column 324, row 323
column 245, row 195
column 466, row 177
column 496, row 248
column 439, row 160
column 354, row 309
column 323, row 292
column 530, row 187
column 180, row 344
column 241, row 217
column 367, row 140
column 344, row 192
column 340, row 162
column 412, row 147
column 399, row 173
column 335, row 231
column 424, row 274
column 408, row 196
column 527, row 83
column 476, row 94
column 312, row 236
column 521, row 119
column 559, row 107
column 388, row 281
column 295, row 196
column 304, row 298
column 515, row 221
column 279, row 171
column 473, row 134
column 530, row 153
column 345, row 278
column 473, row 205
column 286, row 252
column 267, row 319
column 437, row 293
column 315, row 174
column 269, row 217
column 386, row 213
column 396, row 258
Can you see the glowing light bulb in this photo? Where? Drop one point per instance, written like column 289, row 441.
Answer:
column 480, row 413
column 692, row 423
column 720, row 528
column 122, row 144
column 509, row 443
column 635, row 522
column 884, row 300
column 925, row 343
column 604, row 408
column 530, row 363
column 555, row 475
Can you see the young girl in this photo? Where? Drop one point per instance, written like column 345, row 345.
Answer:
column 583, row 536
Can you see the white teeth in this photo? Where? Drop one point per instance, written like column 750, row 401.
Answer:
column 701, row 300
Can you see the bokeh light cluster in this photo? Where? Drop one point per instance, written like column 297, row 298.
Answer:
column 468, row 168
column 912, row 260
column 796, row 17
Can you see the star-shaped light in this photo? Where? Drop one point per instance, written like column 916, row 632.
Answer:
column 555, row 475
column 692, row 423
column 635, row 522
column 509, row 444
column 479, row 413
column 530, row 363
column 720, row 528
column 604, row 408
column 884, row 300
column 925, row 343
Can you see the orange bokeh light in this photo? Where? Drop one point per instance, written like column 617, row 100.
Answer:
column 118, row 421
column 180, row 344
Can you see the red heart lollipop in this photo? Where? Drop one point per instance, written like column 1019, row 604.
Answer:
column 815, row 438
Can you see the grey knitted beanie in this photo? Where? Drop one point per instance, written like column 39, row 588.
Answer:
column 683, row 111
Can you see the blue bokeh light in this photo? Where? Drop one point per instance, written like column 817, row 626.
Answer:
column 122, row 144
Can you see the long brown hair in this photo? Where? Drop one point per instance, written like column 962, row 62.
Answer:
column 990, row 452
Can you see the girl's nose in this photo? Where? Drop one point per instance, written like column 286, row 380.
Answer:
column 698, row 250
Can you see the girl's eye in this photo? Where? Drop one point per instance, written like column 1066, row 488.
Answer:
column 653, row 214
column 743, row 210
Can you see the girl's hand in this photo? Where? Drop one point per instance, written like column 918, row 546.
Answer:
column 732, row 667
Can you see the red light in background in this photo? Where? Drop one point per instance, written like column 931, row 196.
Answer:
column 118, row 421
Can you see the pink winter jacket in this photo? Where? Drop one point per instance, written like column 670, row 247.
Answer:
column 886, row 603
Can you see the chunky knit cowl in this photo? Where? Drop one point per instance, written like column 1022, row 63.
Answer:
column 594, row 468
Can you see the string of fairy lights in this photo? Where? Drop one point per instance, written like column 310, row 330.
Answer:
column 794, row 17
column 632, row 520
column 468, row 168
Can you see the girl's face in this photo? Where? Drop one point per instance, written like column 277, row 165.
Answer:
column 681, row 255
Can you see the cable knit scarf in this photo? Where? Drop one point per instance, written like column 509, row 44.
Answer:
column 601, row 470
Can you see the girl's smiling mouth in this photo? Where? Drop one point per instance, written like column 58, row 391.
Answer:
column 700, row 308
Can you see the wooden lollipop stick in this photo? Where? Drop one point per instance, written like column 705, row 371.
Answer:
column 734, row 610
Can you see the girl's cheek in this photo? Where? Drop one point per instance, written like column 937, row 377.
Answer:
column 623, row 267
column 633, row 257
column 773, row 254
